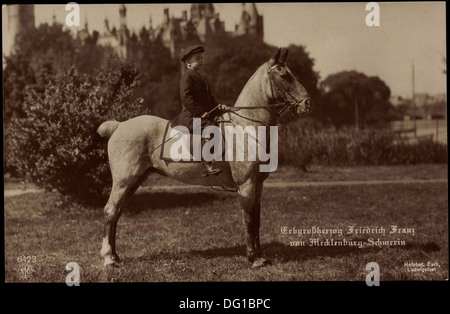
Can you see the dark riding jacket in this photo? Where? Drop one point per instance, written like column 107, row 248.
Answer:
column 196, row 99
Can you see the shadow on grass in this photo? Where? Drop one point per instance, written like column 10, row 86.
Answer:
column 166, row 200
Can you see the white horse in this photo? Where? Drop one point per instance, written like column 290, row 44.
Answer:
column 271, row 95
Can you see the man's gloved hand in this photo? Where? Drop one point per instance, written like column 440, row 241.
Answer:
column 222, row 108
column 205, row 115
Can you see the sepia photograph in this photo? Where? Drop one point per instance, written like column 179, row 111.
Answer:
column 225, row 143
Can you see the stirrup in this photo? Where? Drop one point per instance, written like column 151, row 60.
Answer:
column 209, row 171
column 206, row 173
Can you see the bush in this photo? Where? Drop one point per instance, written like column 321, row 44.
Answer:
column 312, row 143
column 56, row 145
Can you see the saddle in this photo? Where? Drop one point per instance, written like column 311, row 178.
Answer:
column 185, row 144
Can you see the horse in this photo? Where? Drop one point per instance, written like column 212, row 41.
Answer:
column 272, row 95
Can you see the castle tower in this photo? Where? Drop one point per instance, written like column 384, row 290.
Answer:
column 151, row 31
column 166, row 19
column 201, row 10
column 203, row 18
column 83, row 34
column 107, row 30
column 123, row 32
column 123, row 16
column 184, row 25
column 251, row 23
column 176, row 32
column 19, row 19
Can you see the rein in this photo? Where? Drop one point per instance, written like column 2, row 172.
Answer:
column 285, row 104
column 234, row 110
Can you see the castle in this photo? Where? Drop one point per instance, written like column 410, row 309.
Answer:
column 174, row 32
column 178, row 32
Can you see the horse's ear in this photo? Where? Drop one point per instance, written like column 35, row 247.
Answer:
column 284, row 56
column 276, row 58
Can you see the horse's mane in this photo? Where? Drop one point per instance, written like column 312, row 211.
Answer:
column 250, row 82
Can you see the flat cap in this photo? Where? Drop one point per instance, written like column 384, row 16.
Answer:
column 190, row 50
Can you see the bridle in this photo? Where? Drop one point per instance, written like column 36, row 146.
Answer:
column 286, row 104
column 289, row 100
column 285, row 92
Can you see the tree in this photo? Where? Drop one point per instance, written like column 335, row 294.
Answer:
column 378, row 107
column 160, row 76
column 56, row 146
column 17, row 75
column 302, row 66
column 47, row 44
column 231, row 61
column 350, row 97
column 41, row 54
column 90, row 56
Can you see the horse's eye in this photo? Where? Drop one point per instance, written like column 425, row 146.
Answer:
column 286, row 76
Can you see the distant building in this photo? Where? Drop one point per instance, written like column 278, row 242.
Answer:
column 109, row 37
column 420, row 99
column 19, row 19
column 251, row 22
column 115, row 38
column 424, row 99
column 205, row 20
column 398, row 101
column 178, row 32
column 174, row 32
column 425, row 106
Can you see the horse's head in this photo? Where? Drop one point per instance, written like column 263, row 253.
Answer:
column 285, row 88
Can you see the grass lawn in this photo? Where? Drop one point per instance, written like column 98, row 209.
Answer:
column 198, row 234
column 357, row 173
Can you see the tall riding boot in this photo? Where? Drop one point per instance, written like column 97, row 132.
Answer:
column 207, row 166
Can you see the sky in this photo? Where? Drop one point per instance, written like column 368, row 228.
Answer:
column 335, row 35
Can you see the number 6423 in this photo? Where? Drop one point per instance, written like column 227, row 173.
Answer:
column 26, row 259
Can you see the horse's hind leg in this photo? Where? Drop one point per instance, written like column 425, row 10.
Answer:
column 112, row 212
column 121, row 192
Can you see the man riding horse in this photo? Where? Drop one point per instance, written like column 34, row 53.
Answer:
column 271, row 96
column 196, row 99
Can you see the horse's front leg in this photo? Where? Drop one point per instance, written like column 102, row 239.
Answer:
column 257, row 217
column 250, row 199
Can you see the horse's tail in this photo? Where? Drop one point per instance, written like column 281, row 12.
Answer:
column 107, row 128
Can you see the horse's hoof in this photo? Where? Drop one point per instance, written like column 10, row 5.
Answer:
column 113, row 265
column 112, row 262
column 261, row 262
column 117, row 259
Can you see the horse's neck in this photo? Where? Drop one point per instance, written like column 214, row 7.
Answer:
column 254, row 94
